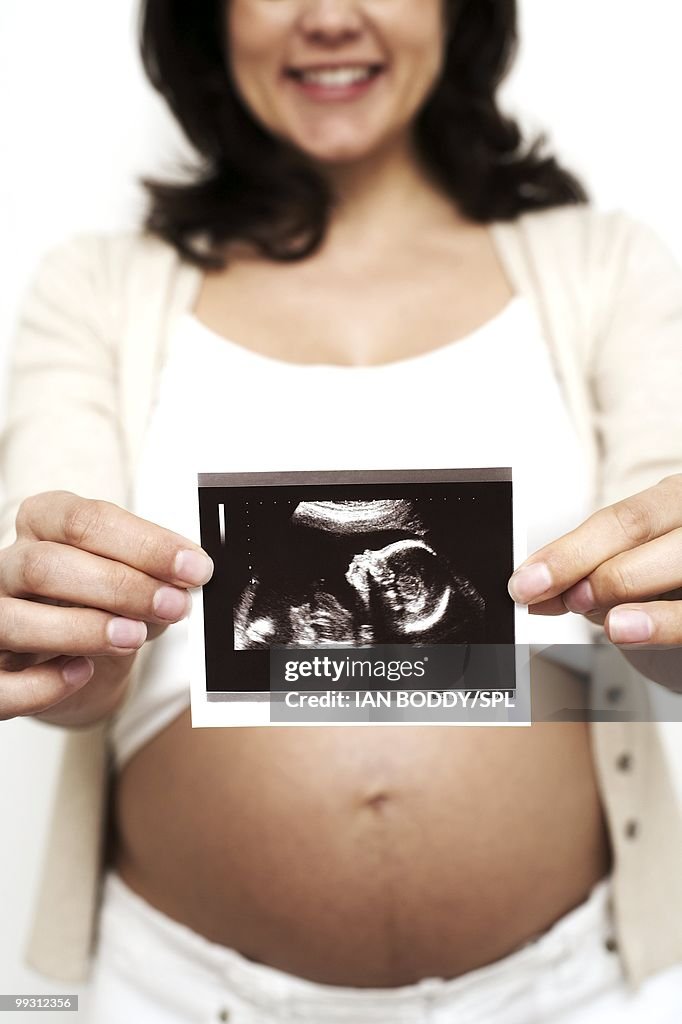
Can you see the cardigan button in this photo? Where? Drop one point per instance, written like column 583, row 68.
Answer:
column 631, row 829
column 611, row 945
column 224, row 1014
column 614, row 694
column 624, row 763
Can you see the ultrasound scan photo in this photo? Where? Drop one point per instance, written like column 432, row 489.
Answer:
column 387, row 561
column 357, row 573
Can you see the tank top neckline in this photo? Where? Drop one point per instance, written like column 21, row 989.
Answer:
column 516, row 307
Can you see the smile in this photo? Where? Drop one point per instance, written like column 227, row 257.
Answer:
column 340, row 82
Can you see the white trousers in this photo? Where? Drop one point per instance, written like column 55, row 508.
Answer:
column 153, row 970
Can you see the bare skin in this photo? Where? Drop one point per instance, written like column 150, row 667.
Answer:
column 363, row 857
column 413, row 289
column 82, row 588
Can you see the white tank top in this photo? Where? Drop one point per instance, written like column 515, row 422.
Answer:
column 490, row 399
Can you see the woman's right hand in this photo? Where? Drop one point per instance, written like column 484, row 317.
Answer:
column 83, row 586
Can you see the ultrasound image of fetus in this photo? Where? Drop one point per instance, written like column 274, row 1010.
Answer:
column 316, row 617
column 411, row 596
column 382, row 583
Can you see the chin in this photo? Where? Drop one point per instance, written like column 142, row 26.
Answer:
column 343, row 158
column 341, row 153
column 336, row 147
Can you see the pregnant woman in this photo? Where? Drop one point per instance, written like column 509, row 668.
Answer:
column 368, row 270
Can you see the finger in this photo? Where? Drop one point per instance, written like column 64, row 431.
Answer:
column 597, row 617
column 651, row 624
column 646, row 571
column 59, row 572
column 36, row 689
column 555, row 606
column 620, row 527
column 108, row 530
column 29, row 627
column 11, row 662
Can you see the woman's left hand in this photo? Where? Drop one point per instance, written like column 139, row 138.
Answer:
column 621, row 568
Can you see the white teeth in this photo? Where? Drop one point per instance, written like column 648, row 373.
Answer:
column 337, row 77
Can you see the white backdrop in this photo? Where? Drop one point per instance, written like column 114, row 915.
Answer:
column 78, row 127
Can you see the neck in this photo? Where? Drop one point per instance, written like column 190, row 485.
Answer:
column 383, row 198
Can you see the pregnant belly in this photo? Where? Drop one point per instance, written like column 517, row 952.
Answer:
column 363, row 856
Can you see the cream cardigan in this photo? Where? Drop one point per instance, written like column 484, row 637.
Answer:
column 89, row 346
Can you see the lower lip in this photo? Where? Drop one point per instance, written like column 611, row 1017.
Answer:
column 336, row 93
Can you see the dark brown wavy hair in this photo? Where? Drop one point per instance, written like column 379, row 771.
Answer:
column 250, row 186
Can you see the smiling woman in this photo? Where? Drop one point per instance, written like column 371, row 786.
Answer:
column 359, row 200
column 260, row 132
column 303, row 93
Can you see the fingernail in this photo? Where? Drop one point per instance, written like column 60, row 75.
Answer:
column 529, row 583
column 580, row 598
column 126, row 633
column 193, row 567
column 171, row 603
column 77, row 671
column 628, row 626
